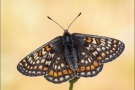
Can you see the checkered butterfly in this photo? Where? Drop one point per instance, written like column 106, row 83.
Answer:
column 71, row 55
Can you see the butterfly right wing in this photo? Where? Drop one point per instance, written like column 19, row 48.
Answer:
column 39, row 61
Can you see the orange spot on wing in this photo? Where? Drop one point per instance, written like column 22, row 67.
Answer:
column 55, row 74
column 89, row 39
column 40, row 53
column 35, row 67
column 40, row 67
column 92, row 67
column 70, row 71
column 82, row 68
column 65, row 72
column 59, row 73
column 98, row 41
column 95, row 63
column 103, row 54
column 45, row 69
column 47, row 48
column 51, row 72
column 88, row 68
column 99, row 58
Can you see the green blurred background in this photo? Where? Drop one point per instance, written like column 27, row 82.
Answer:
column 25, row 27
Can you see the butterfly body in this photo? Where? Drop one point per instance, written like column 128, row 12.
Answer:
column 70, row 51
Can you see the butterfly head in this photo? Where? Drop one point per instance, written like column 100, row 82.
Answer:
column 66, row 32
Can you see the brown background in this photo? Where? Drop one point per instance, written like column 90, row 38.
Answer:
column 25, row 28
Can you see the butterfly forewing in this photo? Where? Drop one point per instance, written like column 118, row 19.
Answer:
column 39, row 61
column 102, row 49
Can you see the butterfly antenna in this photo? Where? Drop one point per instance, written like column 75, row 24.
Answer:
column 55, row 22
column 74, row 20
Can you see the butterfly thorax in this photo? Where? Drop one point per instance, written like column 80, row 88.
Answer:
column 70, row 52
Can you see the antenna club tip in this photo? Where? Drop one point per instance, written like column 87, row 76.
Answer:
column 79, row 14
column 48, row 17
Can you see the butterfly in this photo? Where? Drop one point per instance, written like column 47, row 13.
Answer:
column 70, row 55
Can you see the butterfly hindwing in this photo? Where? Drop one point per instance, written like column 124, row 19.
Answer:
column 102, row 49
column 60, row 70
column 39, row 61
column 87, row 66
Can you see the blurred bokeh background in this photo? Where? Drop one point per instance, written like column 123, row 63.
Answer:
column 25, row 27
